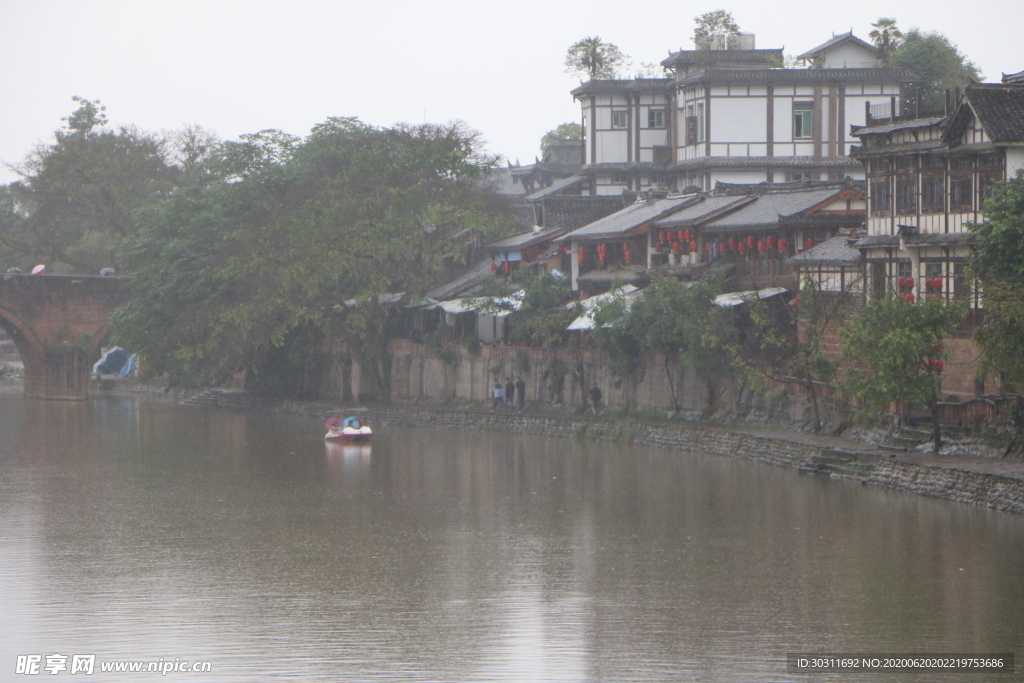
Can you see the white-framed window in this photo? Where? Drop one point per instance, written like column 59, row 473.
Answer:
column 620, row 119
column 803, row 119
column 655, row 118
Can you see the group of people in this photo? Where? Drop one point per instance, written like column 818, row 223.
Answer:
column 506, row 397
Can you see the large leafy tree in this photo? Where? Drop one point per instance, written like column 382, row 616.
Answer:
column 594, row 58
column 225, row 272
column 563, row 131
column 998, row 260
column 894, row 353
column 939, row 64
column 717, row 22
column 78, row 197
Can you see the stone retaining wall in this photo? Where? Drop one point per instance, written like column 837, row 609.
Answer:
column 973, row 488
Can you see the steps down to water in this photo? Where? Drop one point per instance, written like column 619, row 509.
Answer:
column 207, row 397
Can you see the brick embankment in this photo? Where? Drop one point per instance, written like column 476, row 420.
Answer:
column 975, row 481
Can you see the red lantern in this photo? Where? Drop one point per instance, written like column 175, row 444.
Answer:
column 751, row 241
column 939, row 364
column 675, row 247
column 721, row 247
column 679, row 236
column 581, row 252
column 901, row 281
column 742, row 247
column 771, row 241
column 626, row 256
column 808, row 243
column 910, row 281
column 732, row 242
column 494, row 267
column 657, row 247
column 782, row 245
column 687, row 234
column 761, row 246
column 693, row 245
column 910, row 297
column 938, row 283
column 507, row 266
column 707, row 247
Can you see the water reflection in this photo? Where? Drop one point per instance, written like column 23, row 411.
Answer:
column 139, row 529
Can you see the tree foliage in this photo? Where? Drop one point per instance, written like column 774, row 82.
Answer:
column 226, row 271
column 886, row 36
column 77, row 197
column 594, row 58
column 893, row 349
column 717, row 22
column 939, row 64
column 563, row 131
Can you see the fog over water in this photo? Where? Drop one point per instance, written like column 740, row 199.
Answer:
column 135, row 529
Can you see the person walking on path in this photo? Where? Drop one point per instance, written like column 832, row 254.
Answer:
column 499, row 396
column 510, row 393
column 521, row 393
column 595, row 398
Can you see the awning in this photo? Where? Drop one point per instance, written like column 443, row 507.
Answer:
column 597, row 299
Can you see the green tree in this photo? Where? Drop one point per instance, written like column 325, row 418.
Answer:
column 78, row 197
column 224, row 272
column 618, row 336
column 717, row 22
column 594, row 58
column 792, row 341
column 540, row 316
column 564, row 131
column 998, row 260
column 939, row 64
column 894, row 353
column 886, row 36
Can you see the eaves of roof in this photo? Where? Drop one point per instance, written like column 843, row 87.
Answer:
column 796, row 76
column 704, row 57
column 709, row 163
column 624, row 85
column 523, row 240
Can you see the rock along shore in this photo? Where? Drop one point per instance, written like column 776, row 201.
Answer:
column 985, row 482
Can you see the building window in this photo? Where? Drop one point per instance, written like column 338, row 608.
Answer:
column 960, row 288
column 620, row 119
column 931, row 272
column 987, row 183
column 655, row 118
column 879, row 165
column 906, row 197
column 931, row 161
column 881, row 197
column 906, row 163
column 960, row 191
column 933, row 194
column 801, row 175
column 803, row 119
column 961, row 163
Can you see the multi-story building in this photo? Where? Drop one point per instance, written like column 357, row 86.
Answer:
column 735, row 115
column 926, row 178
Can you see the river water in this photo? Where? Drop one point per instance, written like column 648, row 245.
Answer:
column 132, row 528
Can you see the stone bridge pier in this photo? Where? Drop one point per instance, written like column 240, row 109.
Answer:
column 57, row 323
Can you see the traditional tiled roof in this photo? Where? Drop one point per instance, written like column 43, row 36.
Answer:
column 463, row 283
column 557, row 186
column 704, row 209
column 621, row 85
column 908, row 124
column 767, row 210
column 722, row 188
column 625, row 222
column 878, row 241
column 708, row 57
column 523, row 239
column 939, row 238
column 999, row 108
column 1014, row 79
column 837, row 40
column 800, row 76
column 624, row 275
column 833, row 251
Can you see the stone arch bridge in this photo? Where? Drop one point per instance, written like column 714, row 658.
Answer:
column 57, row 323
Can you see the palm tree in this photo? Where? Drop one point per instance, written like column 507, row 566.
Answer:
column 887, row 37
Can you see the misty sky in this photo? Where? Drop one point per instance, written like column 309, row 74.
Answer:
column 238, row 67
